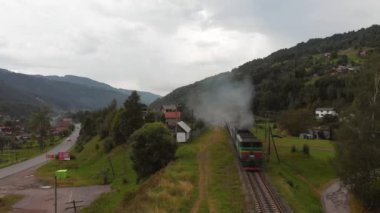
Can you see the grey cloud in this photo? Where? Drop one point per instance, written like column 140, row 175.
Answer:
column 160, row 45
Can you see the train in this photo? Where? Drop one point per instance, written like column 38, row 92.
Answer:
column 248, row 147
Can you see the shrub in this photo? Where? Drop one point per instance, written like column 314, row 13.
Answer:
column 293, row 149
column 306, row 149
column 108, row 145
column 153, row 148
column 296, row 121
column 78, row 147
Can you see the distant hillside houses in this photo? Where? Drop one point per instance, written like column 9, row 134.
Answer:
column 316, row 133
column 63, row 126
column 322, row 112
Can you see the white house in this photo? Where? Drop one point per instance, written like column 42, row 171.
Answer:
column 321, row 112
column 183, row 132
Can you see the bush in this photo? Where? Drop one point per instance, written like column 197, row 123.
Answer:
column 306, row 149
column 78, row 147
column 108, row 145
column 296, row 121
column 293, row 149
column 153, row 148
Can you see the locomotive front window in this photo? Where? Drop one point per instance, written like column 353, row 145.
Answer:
column 254, row 145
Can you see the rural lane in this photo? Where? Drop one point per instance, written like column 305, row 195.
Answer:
column 39, row 160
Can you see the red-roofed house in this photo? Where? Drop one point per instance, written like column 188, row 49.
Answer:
column 172, row 118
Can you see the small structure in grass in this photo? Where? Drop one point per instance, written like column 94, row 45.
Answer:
column 306, row 149
column 61, row 174
column 182, row 132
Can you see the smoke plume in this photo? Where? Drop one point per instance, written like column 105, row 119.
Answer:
column 221, row 99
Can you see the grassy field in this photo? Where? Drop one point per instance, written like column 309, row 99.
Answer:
column 300, row 178
column 25, row 152
column 7, row 202
column 176, row 188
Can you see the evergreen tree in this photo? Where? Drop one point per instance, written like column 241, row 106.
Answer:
column 132, row 117
column 128, row 120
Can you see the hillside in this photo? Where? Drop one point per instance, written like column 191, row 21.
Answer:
column 311, row 74
column 69, row 93
column 146, row 97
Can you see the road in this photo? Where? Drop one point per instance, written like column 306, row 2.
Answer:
column 41, row 159
column 37, row 196
column 335, row 198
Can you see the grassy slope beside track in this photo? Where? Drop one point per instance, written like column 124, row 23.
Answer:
column 204, row 178
column 300, row 178
column 205, row 168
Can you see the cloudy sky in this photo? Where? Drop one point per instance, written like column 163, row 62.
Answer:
column 159, row 45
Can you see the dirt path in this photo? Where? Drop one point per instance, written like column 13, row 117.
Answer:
column 204, row 174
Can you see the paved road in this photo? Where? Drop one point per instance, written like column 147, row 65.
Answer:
column 41, row 159
column 335, row 198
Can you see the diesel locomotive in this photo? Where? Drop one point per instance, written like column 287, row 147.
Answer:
column 248, row 147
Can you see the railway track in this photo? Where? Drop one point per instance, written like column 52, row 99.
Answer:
column 265, row 199
column 260, row 196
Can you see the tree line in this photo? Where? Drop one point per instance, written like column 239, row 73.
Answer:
column 152, row 143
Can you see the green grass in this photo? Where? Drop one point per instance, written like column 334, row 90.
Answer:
column 300, row 178
column 85, row 170
column 25, row 152
column 352, row 55
column 8, row 201
column 225, row 188
column 174, row 188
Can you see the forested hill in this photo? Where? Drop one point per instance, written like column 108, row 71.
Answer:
column 146, row 97
column 311, row 74
column 59, row 93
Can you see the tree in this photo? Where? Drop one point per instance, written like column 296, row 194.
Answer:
column 131, row 118
column 40, row 124
column 296, row 121
column 358, row 145
column 150, row 117
column 153, row 148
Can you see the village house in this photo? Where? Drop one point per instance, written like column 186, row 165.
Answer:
column 172, row 118
column 363, row 53
column 316, row 133
column 321, row 112
column 183, row 132
column 63, row 126
column 168, row 108
column 327, row 55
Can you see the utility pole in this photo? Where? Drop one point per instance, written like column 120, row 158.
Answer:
column 274, row 144
column 113, row 171
column 55, row 194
